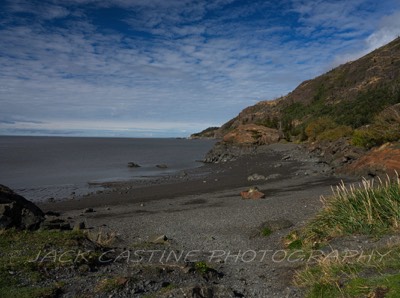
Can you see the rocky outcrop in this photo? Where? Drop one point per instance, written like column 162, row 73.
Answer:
column 337, row 154
column 379, row 161
column 17, row 212
column 243, row 140
column 252, row 134
column 224, row 152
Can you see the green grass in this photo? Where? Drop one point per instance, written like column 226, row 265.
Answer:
column 369, row 209
column 202, row 267
column 20, row 276
column 354, row 277
column 266, row 232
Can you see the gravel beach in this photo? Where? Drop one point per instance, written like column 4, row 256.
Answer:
column 201, row 213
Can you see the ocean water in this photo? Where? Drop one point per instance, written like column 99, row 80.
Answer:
column 40, row 168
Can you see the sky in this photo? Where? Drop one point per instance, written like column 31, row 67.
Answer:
column 169, row 68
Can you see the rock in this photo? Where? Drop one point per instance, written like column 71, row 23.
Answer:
column 51, row 200
column 18, row 212
column 133, row 165
column 377, row 162
column 159, row 239
column 223, row 152
column 252, row 134
column 52, row 213
column 162, row 166
column 88, row 210
column 255, row 177
column 80, row 225
column 278, row 165
column 273, row 176
column 252, row 194
column 55, row 224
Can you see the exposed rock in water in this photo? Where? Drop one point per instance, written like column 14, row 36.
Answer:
column 162, row 166
column 18, row 212
column 133, row 165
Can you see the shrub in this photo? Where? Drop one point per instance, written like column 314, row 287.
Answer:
column 319, row 126
column 335, row 133
column 386, row 128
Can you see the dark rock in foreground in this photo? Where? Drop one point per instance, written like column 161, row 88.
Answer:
column 18, row 212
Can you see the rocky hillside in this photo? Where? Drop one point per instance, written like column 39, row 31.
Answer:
column 350, row 95
column 357, row 101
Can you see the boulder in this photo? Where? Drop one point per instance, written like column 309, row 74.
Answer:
column 133, row 165
column 17, row 212
column 252, row 194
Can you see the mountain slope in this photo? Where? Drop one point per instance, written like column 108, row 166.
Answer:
column 351, row 95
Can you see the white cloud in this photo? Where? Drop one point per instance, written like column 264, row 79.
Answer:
column 200, row 66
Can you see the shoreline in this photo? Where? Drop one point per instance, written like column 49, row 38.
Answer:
column 277, row 162
column 204, row 218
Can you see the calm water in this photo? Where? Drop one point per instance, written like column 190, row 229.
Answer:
column 43, row 167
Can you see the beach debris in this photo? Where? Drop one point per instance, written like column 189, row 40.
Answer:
column 133, row 165
column 88, row 210
column 159, row 239
column 286, row 157
column 255, row 177
column 278, row 165
column 18, row 212
column 252, row 194
column 141, row 205
column 162, row 166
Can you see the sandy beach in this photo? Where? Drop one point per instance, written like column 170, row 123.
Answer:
column 201, row 212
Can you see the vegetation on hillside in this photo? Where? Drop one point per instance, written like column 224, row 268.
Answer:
column 350, row 97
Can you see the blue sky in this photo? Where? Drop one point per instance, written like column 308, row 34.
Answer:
column 164, row 68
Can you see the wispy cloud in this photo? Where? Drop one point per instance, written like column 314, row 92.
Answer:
column 172, row 67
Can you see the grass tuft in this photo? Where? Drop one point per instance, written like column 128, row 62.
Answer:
column 370, row 209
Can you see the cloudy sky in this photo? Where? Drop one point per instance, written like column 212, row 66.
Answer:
column 154, row 68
